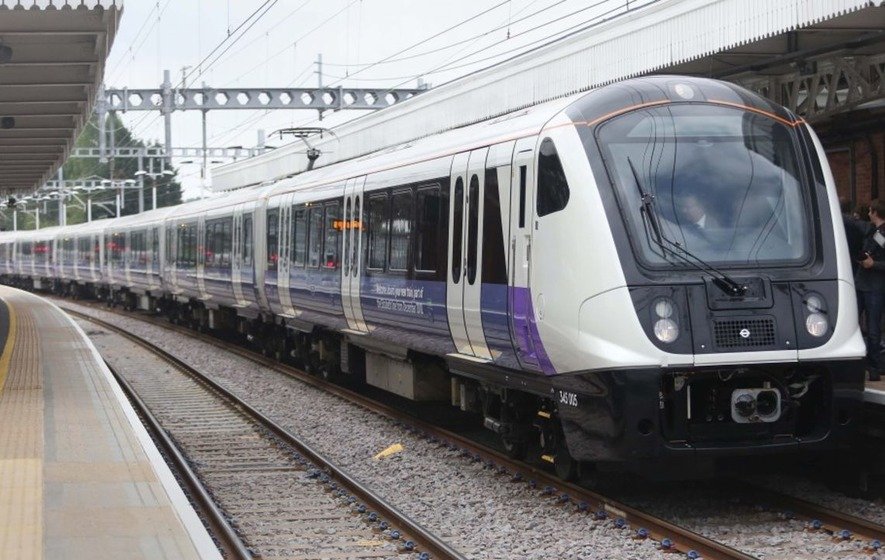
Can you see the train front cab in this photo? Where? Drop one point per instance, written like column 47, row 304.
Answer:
column 696, row 344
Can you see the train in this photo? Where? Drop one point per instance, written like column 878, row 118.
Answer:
column 650, row 275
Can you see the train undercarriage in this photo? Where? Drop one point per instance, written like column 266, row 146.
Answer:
column 537, row 419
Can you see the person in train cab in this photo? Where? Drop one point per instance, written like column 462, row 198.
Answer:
column 693, row 213
column 870, row 284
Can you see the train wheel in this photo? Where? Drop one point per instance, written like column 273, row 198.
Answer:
column 564, row 464
column 514, row 448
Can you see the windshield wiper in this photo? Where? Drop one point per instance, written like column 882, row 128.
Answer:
column 722, row 280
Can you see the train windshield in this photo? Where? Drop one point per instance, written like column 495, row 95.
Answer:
column 722, row 182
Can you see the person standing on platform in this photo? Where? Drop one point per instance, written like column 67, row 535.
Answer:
column 855, row 231
column 870, row 284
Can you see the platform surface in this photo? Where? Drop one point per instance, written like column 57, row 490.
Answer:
column 79, row 476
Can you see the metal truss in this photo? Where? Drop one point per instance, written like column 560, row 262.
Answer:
column 233, row 152
column 825, row 86
column 205, row 99
column 167, row 100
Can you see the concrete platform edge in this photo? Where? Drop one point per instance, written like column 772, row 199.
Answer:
column 200, row 538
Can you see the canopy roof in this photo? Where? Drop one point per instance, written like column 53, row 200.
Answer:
column 52, row 57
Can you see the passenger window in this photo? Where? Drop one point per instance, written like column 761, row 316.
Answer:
column 273, row 226
column 247, row 241
column 378, row 227
column 457, row 232
column 494, row 268
column 472, row 228
column 553, row 191
column 345, row 228
column 400, row 230
column 299, row 237
column 428, row 229
column 332, row 243
column 316, row 237
column 522, row 188
column 358, row 225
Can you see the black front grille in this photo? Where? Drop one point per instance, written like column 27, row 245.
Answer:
column 757, row 332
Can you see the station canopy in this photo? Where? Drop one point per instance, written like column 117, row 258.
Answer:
column 52, row 58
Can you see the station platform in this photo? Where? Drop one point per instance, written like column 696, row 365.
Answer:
column 79, row 475
column 875, row 392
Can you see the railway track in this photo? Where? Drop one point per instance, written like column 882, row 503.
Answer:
column 282, row 499
column 636, row 522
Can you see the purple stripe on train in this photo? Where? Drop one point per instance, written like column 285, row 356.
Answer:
column 529, row 347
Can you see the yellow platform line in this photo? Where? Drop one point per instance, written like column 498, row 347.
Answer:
column 6, row 357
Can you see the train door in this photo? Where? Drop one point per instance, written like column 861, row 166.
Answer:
column 285, row 248
column 201, row 258
column 521, row 219
column 351, row 271
column 236, row 261
column 128, row 258
column 465, row 256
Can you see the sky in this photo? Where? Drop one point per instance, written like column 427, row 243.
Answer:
column 275, row 43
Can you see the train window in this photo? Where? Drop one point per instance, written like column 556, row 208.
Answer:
column 357, row 238
column 400, row 230
column 299, row 237
column 83, row 251
column 553, row 191
column 334, row 227
column 472, row 227
column 494, row 267
column 458, row 231
column 209, row 244
column 116, row 247
column 155, row 245
column 522, row 188
column 170, row 236
column 378, row 228
column 428, row 229
column 273, row 226
column 226, row 241
column 315, row 241
column 247, row 241
column 181, row 250
column 345, row 230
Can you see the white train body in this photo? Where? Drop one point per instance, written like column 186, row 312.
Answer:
column 542, row 267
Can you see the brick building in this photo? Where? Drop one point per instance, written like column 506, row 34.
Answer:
column 855, row 145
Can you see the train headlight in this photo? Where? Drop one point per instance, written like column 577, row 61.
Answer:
column 816, row 324
column 664, row 308
column 666, row 330
column 814, row 303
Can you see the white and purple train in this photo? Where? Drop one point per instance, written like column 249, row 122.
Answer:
column 653, row 273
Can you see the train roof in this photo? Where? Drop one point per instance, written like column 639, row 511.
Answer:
column 227, row 200
column 517, row 124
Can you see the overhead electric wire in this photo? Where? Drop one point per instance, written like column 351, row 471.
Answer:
column 270, row 29
column 266, row 6
column 200, row 66
column 456, row 43
column 131, row 56
column 435, row 35
column 526, row 46
column 300, row 38
column 585, row 24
